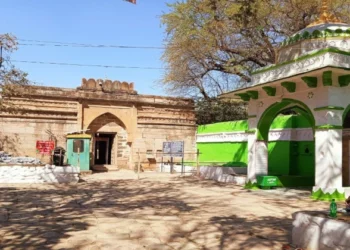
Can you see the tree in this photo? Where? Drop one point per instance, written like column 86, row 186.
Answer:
column 12, row 80
column 214, row 45
column 216, row 110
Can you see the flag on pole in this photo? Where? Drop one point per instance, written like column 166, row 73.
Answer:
column 131, row 1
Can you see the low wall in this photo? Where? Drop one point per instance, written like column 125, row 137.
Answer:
column 165, row 168
column 317, row 233
column 38, row 174
column 224, row 174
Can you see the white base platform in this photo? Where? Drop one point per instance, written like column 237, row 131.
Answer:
column 317, row 233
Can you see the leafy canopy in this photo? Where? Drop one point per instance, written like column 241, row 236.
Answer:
column 214, row 45
column 11, row 79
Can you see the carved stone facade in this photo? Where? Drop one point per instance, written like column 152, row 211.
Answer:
column 121, row 122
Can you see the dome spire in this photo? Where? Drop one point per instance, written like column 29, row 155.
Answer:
column 325, row 15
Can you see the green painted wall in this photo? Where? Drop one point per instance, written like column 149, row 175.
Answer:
column 306, row 158
column 279, row 157
column 223, row 127
column 224, row 154
column 285, row 157
column 282, row 122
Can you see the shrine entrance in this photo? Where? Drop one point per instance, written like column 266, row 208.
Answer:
column 109, row 147
column 310, row 75
column 290, row 143
column 103, row 148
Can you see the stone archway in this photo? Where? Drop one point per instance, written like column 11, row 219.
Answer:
column 109, row 145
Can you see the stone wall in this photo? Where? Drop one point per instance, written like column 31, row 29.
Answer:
column 149, row 142
column 38, row 174
column 139, row 122
column 35, row 119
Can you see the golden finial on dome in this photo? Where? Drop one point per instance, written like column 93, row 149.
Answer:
column 325, row 15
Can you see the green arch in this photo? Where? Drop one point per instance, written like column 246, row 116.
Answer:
column 271, row 112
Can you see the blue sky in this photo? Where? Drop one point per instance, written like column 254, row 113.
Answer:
column 111, row 22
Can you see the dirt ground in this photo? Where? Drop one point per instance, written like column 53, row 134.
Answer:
column 160, row 211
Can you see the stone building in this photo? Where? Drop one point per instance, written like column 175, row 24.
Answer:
column 120, row 121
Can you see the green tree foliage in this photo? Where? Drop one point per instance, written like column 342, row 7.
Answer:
column 213, row 45
column 215, row 110
column 12, row 80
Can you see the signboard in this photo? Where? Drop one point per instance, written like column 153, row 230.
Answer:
column 267, row 181
column 173, row 149
column 45, row 147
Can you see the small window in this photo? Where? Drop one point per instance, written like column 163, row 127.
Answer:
column 78, row 146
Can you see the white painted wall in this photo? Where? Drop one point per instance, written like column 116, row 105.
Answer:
column 317, row 233
column 304, row 66
column 328, row 155
column 251, row 158
column 39, row 174
column 166, row 168
column 301, row 134
column 261, row 158
column 224, row 174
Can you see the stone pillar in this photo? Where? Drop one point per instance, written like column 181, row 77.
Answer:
column 257, row 158
column 328, row 169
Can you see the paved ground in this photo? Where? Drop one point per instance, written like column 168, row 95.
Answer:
column 160, row 211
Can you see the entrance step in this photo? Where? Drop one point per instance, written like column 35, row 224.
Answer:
column 85, row 173
column 105, row 168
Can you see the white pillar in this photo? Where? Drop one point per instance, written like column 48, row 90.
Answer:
column 328, row 154
column 257, row 158
column 261, row 158
column 251, row 158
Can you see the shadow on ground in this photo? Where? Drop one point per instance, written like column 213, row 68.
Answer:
column 181, row 213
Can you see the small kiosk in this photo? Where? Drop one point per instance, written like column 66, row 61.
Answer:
column 78, row 151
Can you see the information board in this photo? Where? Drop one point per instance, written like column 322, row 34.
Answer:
column 45, row 147
column 173, row 149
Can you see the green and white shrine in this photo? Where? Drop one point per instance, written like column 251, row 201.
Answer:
column 311, row 77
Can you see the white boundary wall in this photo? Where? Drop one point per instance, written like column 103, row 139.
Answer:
column 165, row 168
column 39, row 174
column 303, row 134
column 224, row 174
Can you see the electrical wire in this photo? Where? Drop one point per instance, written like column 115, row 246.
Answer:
column 39, row 43
column 82, row 45
column 88, row 65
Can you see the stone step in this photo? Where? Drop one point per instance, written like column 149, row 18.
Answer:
column 105, row 168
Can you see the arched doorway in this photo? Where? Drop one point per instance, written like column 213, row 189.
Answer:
column 286, row 129
column 109, row 145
